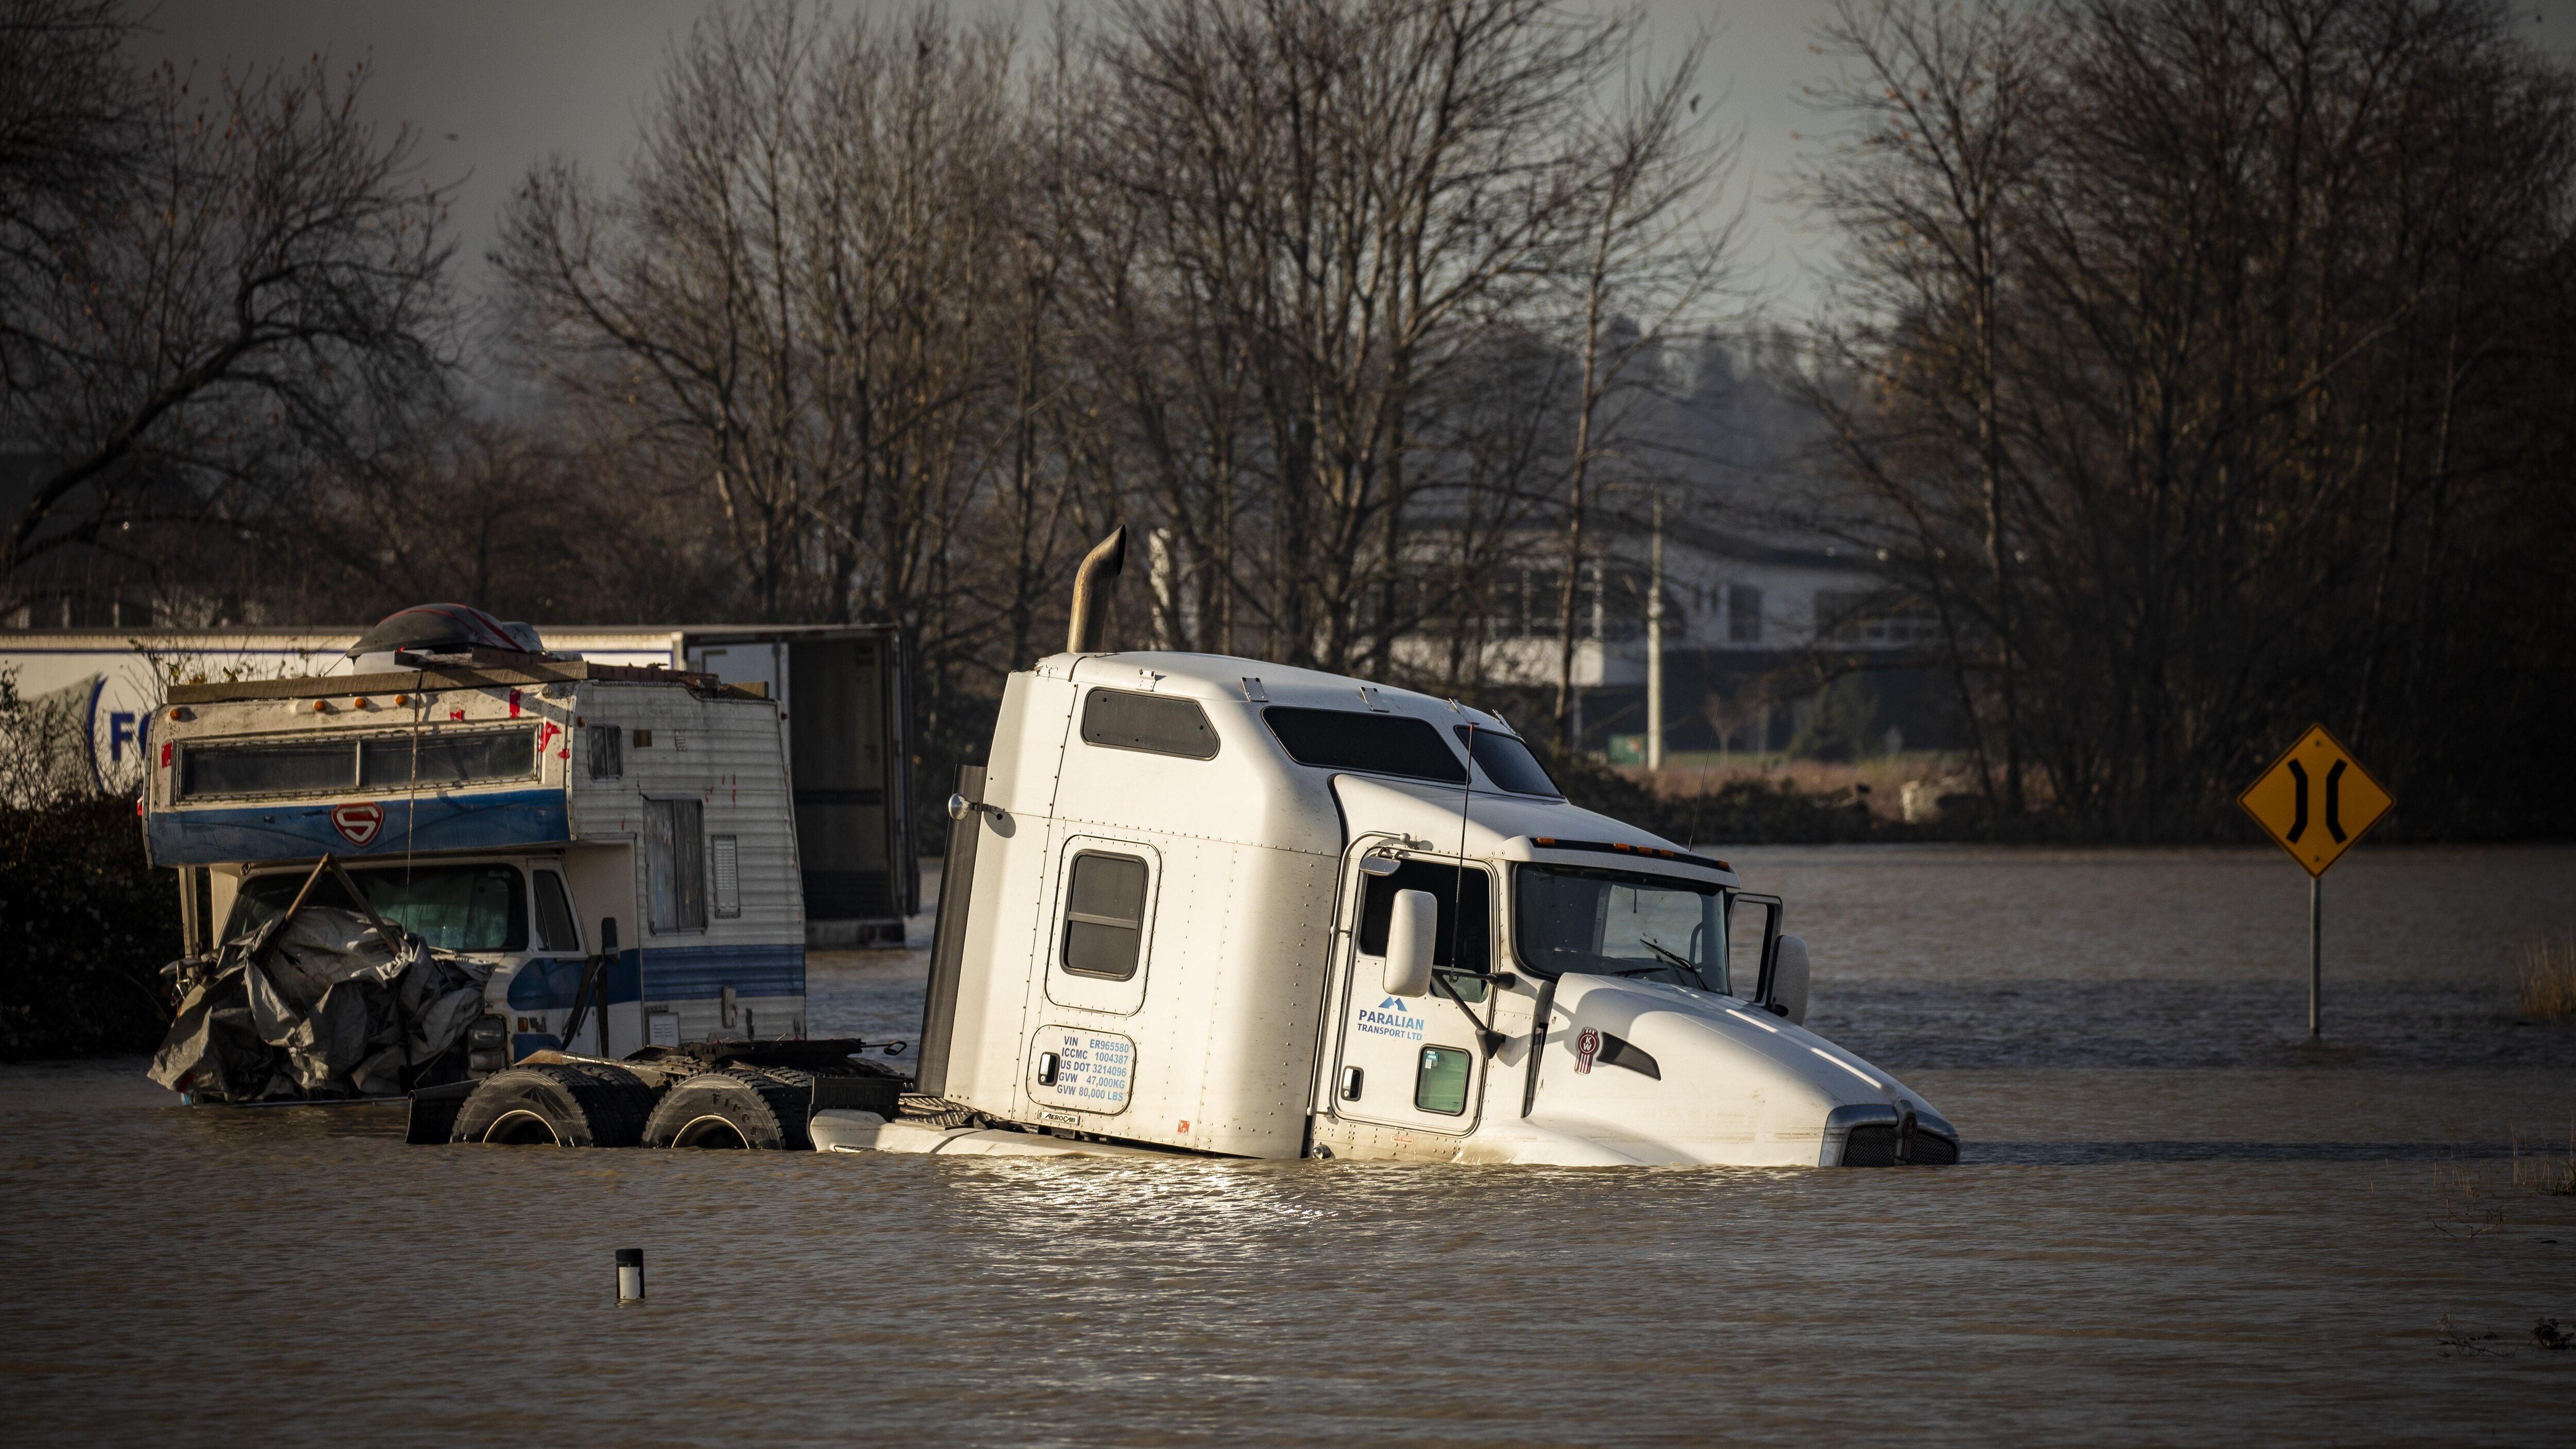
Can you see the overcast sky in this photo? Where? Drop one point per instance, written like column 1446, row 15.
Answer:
column 495, row 86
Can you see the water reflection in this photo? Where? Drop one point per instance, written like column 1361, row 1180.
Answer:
column 2169, row 1228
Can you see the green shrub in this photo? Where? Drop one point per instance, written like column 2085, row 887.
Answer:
column 89, row 926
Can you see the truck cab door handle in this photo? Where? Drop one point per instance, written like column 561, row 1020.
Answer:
column 1351, row 1079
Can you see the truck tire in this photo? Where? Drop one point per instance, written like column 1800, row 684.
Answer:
column 738, row 1107
column 565, row 1105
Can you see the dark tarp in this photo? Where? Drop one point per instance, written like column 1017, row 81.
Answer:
column 318, row 1005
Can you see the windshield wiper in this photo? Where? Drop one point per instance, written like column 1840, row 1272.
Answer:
column 1677, row 959
column 1669, row 954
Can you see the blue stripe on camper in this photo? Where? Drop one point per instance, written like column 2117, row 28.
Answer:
column 303, row 829
column 549, row 983
column 683, row 973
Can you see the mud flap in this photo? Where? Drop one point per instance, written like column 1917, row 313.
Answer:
column 434, row 1109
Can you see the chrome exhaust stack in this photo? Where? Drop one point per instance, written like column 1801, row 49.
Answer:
column 1091, row 582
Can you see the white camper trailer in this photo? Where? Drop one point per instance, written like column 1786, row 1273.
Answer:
column 838, row 689
column 539, row 818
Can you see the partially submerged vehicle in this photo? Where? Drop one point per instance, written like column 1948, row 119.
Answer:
column 1216, row 905
column 605, row 853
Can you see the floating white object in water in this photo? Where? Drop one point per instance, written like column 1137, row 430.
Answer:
column 630, row 1275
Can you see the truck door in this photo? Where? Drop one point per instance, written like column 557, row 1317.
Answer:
column 614, row 1027
column 1411, row 1061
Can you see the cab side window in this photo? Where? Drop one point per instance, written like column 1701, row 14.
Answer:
column 1104, row 915
column 555, row 928
column 1466, row 893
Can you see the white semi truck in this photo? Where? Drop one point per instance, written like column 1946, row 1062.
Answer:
column 1215, row 905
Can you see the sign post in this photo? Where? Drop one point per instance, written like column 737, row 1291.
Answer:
column 2316, row 802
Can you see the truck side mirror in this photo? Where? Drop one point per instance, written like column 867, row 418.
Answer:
column 608, row 935
column 1789, row 979
column 1409, row 934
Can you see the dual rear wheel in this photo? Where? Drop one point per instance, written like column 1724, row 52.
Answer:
column 736, row 1107
column 569, row 1104
column 588, row 1104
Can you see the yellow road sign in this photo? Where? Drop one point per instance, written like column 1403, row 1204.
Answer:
column 2315, row 801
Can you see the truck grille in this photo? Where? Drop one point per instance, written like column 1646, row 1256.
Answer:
column 1873, row 1144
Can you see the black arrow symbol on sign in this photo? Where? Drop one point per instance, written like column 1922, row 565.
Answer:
column 2334, row 799
column 2298, row 803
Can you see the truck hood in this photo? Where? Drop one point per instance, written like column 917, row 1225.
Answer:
column 1676, row 1075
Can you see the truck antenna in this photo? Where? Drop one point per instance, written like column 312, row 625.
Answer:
column 1458, row 887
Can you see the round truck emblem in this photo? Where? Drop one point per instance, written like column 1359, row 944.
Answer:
column 359, row 823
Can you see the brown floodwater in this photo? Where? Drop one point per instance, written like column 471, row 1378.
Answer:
column 2175, row 1224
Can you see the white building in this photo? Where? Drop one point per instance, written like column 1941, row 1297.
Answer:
column 1754, row 628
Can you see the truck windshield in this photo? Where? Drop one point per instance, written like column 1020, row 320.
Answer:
column 452, row 907
column 1616, row 923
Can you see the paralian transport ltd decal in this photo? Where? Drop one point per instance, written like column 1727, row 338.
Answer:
column 359, row 822
column 1389, row 1018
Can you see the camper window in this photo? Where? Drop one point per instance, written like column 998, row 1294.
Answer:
column 393, row 761
column 1157, row 724
column 1347, row 739
column 675, row 865
column 607, row 759
column 1104, row 928
column 266, row 769
column 556, row 930
column 376, row 762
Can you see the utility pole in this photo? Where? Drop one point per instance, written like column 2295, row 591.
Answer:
column 1655, row 643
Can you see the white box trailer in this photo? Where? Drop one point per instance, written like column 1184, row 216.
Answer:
column 838, row 688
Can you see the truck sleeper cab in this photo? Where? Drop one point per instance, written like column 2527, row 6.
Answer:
column 1225, row 906
column 535, row 818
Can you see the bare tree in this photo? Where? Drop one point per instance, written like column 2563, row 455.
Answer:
column 256, row 294
column 1649, row 259
column 794, row 299
column 2150, row 413
column 68, row 130
column 1321, row 206
column 1948, row 105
